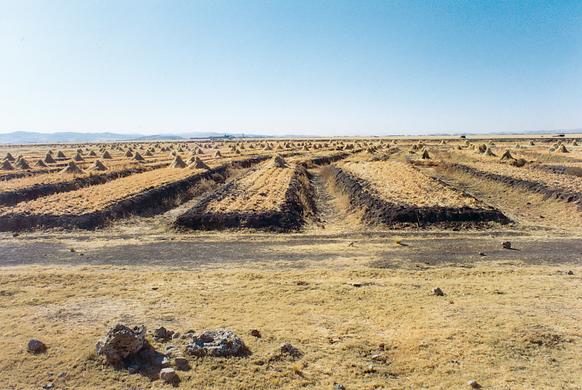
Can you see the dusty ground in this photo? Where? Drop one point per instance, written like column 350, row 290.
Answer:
column 359, row 306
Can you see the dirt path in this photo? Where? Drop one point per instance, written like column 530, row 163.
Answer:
column 330, row 216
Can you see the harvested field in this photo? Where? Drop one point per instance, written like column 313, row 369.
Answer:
column 271, row 197
column 90, row 207
column 558, row 186
column 393, row 193
column 321, row 255
column 399, row 183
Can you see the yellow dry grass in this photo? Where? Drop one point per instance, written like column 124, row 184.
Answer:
column 400, row 183
column 94, row 198
column 261, row 190
column 552, row 180
column 504, row 325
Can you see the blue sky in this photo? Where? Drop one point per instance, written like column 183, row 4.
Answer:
column 290, row 67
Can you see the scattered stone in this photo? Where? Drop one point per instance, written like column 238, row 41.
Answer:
column 163, row 334
column 288, row 349
column 216, row 343
column 474, row 384
column 506, row 245
column 338, row 386
column 181, row 363
column 35, row 346
column 256, row 333
column 121, row 342
column 169, row 375
column 165, row 362
column 438, row 292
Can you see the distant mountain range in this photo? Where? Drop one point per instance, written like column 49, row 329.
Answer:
column 29, row 137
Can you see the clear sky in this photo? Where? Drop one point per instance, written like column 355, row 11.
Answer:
column 290, row 67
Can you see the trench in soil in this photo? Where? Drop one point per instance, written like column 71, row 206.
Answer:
column 331, row 214
column 525, row 207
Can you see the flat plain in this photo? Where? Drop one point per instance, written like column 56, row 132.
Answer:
column 331, row 245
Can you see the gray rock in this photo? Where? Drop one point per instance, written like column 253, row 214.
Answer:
column 35, row 346
column 163, row 334
column 121, row 342
column 165, row 362
column 169, row 375
column 181, row 363
column 220, row 342
column 288, row 349
column 438, row 292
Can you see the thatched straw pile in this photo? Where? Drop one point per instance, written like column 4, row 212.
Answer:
column 278, row 162
column 196, row 162
column 178, row 162
column 72, row 168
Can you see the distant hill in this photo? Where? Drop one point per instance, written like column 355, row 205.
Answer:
column 29, row 137
column 26, row 137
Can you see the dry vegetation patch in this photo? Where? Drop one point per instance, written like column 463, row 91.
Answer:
column 96, row 198
column 504, row 325
column 262, row 190
column 400, row 183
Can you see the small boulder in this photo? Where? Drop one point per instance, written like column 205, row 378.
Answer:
column 288, row 349
column 163, row 334
column 121, row 342
column 36, row 346
column 216, row 343
column 169, row 375
column 438, row 292
column 181, row 363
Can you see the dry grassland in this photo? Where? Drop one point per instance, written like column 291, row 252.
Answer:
column 505, row 325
